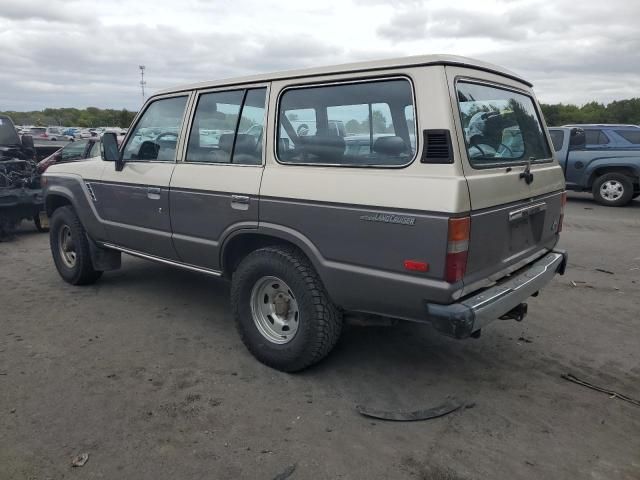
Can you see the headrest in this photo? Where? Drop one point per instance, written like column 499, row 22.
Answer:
column 225, row 142
column 245, row 143
column 389, row 145
column 327, row 148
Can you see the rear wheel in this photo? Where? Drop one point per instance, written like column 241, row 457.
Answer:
column 282, row 311
column 613, row 189
column 70, row 248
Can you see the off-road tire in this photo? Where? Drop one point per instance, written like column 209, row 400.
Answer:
column 320, row 321
column 627, row 186
column 82, row 272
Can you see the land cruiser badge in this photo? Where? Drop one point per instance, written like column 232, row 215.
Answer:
column 387, row 218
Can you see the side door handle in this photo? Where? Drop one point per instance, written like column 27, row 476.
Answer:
column 240, row 202
column 153, row 193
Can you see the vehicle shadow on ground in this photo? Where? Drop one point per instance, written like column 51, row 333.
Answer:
column 403, row 365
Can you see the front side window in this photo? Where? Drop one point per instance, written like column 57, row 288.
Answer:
column 156, row 134
column 228, row 128
column 360, row 124
column 595, row 137
column 500, row 126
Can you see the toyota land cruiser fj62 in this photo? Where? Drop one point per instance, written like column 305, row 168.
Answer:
column 437, row 200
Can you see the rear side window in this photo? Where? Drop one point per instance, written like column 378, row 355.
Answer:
column 500, row 126
column 595, row 137
column 359, row 124
column 228, row 128
column 632, row 136
column 557, row 136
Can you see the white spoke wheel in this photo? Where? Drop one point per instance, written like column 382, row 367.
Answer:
column 613, row 189
column 66, row 246
column 282, row 310
column 274, row 310
column 70, row 248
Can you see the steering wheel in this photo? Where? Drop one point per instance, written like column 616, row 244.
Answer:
column 166, row 134
column 506, row 148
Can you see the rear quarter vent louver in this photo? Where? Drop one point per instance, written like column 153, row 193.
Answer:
column 437, row 147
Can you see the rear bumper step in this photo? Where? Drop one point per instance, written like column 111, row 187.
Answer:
column 504, row 300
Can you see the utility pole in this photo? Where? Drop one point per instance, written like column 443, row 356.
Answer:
column 142, row 82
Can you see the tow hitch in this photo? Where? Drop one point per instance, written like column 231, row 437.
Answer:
column 518, row 313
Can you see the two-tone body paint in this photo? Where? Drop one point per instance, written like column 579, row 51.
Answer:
column 336, row 215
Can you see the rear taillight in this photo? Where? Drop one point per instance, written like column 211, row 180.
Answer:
column 457, row 249
column 563, row 202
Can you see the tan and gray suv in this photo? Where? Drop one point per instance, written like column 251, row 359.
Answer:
column 439, row 200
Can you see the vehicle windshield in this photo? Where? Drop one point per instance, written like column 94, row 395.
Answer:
column 500, row 126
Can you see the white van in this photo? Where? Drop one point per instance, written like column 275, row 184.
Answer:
column 437, row 200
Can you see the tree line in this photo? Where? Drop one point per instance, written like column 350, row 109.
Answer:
column 619, row 111
column 73, row 117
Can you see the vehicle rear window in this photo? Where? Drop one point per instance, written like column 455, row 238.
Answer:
column 500, row 126
column 358, row 124
column 557, row 136
column 632, row 136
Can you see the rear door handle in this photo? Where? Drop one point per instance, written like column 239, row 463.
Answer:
column 240, row 202
column 153, row 193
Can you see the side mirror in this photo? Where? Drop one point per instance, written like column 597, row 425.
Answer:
column 109, row 150
column 577, row 138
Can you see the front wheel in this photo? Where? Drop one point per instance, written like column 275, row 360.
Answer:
column 70, row 248
column 613, row 189
column 282, row 311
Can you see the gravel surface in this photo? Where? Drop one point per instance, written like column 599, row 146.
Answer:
column 145, row 373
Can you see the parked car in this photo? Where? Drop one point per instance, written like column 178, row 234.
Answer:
column 453, row 230
column 595, row 159
column 78, row 150
column 610, row 136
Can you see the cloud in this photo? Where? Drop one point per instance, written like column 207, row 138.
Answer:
column 74, row 53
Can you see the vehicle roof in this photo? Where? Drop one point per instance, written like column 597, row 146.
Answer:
column 414, row 61
column 603, row 125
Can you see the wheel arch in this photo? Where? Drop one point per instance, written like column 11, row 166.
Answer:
column 626, row 170
column 53, row 201
column 242, row 242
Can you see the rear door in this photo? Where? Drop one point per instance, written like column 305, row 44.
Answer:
column 515, row 185
column 214, row 190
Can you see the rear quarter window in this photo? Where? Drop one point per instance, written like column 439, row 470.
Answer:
column 360, row 124
column 501, row 126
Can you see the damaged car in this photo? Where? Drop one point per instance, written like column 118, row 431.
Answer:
column 20, row 191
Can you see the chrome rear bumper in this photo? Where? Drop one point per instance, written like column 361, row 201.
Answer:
column 470, row 314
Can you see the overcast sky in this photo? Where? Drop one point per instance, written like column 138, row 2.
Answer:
column 59, row 53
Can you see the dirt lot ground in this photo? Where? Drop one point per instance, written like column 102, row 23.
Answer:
column 145, row 373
